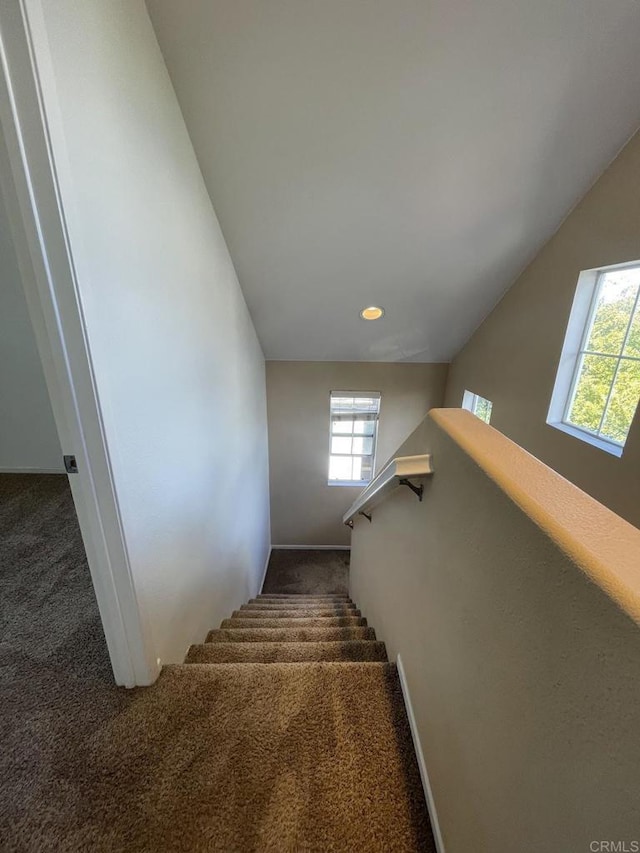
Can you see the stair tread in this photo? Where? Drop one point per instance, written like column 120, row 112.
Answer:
column 319, row 622
column 279, row 652
column 296, row 605
column 299, row 597
column 308, row 602
column 329, row 742
column 292, row 603
column 294, row 635
column 325, row 701
column 293, row 614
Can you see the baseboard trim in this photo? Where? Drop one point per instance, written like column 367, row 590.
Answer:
column 264, row 571
column 428, row 793
column 311, row 547
column 32, row 471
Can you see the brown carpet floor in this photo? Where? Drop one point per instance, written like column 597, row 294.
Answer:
column 307, row 572
column 296, row 741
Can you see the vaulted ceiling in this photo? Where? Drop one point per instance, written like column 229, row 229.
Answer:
column 413, row 154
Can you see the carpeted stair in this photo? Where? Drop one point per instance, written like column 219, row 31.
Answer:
column 280, row 740
column 307, row 723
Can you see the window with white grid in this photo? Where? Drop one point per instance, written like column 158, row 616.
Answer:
column 353, row 432
column 598, row 383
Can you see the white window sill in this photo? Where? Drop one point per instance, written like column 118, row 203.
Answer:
column 593, row 440
column 356, row 484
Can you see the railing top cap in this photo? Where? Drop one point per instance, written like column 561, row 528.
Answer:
column 601, row 543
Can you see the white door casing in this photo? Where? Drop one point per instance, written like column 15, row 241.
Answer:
column 31, row 181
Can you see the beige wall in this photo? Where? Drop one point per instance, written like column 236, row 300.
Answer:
column 513, row 357
column 304, row 509
column 521, row 671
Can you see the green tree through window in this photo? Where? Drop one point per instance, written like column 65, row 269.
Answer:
column 606, row 385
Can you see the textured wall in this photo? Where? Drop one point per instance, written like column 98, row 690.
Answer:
column 179, row 370
column 304, row 509
column 513, row 357
column 522, row 672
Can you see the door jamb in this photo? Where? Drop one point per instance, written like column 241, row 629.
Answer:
column 30, row 182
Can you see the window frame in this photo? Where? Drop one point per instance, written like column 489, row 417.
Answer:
column 579, row 327
column 355, row 395
column 470, row 402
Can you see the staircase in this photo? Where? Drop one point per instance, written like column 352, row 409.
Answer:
column 312, row 746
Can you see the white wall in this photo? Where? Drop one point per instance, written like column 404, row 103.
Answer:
column 28, row 437
column 179, row 370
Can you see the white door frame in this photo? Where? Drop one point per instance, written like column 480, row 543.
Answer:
column 29, row 178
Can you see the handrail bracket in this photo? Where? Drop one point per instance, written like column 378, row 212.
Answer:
column 400, row 471
column 417, row 490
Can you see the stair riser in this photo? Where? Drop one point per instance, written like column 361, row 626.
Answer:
column 332, row 602
column 304, row 594
column 293, row 614
column 213, row 653
column 288, row 635
column 323, row 622
column 298, row 605
column 290, row 614
column 281, row 596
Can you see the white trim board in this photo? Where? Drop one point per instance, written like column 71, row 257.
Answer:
column 428, row 793
column 395, row 472
column 31, row 180
column 311, row 547
column 266, row 569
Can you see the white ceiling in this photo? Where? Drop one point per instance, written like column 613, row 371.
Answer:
column 409, row 153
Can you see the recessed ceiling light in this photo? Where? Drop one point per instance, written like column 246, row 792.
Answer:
column 372, row 312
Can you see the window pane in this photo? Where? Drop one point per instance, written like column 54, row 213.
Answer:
column 341, row 444
column 344, row 427
column 482, row 409
column 623, row 402
column 363, row 445
column 355, row 404
column 615, row 304
column 633, row 341
column 339, row 404
column 477, row 405
column 349, row 405
column 364, row 427
column 353, row 430
column 592, row 390
column 340, row 467
column 366, row 468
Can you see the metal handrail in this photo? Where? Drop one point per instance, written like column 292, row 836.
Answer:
column 401, row 471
